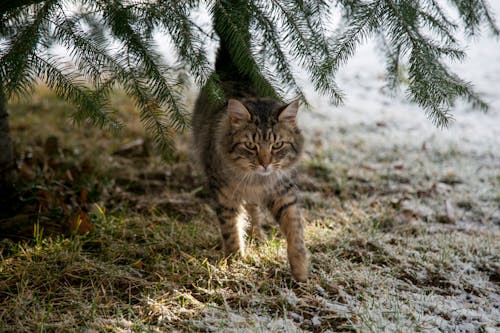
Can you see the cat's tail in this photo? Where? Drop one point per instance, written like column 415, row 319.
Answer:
column 225, row 67
column 234, row 82
column 240, row 78
column 231, row 76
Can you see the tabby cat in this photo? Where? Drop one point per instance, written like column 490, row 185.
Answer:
column 248, row 149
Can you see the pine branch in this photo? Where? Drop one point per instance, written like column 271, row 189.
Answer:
column 440, row 24
column 139, row 50
column 440, row 15
column 213, row 90
column 152, row 115
column 9, row 6
column 271, row 41
column 489, row 18
column 173, row 18
column 300, row 39
column 364, row 21
column 473, row 12
column 88, row 52
column 431, row 84
column 470, row 14
column 393, row 64
column 188, row 44
column 314, row 12
column 21, row 48
column 263, row 39
column 434, row 88
column 71, row 87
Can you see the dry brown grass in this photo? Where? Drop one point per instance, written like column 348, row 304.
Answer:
column 400, row 240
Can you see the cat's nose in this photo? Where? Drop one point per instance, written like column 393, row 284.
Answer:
column 265, row 160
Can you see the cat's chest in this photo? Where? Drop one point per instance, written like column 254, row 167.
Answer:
column 255, row 192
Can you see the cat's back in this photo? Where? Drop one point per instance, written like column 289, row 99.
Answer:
column 206, row 116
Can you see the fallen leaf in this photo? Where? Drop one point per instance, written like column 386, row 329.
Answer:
column 83, row 195
column 138, row 264
column 80, row 223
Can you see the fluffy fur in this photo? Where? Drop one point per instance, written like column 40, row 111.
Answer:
column 248, row 149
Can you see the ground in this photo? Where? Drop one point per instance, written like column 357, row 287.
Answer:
column 403, row 236
column 402, row 224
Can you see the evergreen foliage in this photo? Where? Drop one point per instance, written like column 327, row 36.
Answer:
column 112, row 45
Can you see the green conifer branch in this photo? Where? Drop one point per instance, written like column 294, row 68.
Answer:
column 139, row 51
column 281, row 33
column 470, row 12
column 431, row 85
column 306, row 50
column 90, row 53
column 434, row 7
column 70, row 86
column 152, row 115
column 486, row 12
column 14, row 64
column 275, row 50
column 442, row 27
column 173, row 18
column 393, row 70
column 364, row 20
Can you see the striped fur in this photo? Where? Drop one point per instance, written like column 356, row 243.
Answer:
column 248, row 149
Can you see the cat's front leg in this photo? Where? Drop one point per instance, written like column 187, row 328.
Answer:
column 256, row 218
column 229, row 215
column 286, row 211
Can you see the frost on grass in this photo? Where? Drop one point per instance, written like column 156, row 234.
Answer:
column 402, row 238
column 402, row 222
column 226, row 320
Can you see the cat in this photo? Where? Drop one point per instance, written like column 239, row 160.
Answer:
column 248, row 148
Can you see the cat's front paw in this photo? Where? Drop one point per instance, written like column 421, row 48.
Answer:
column 299, row 265
column 258, row 234
column 233, row 249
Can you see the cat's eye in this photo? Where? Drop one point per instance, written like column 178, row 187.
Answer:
column 250, row 145
column 277, row 145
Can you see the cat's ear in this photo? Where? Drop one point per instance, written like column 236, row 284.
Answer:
column 289, row 113
column 238, row 113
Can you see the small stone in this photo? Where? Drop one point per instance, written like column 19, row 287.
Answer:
column 495, row 217
column 316, row 321
column 321, row 291
column 291, row 298
column 296, row 317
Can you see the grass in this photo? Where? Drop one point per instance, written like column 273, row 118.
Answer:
column 115, row 240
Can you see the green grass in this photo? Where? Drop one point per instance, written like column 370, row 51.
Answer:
column 380, row 259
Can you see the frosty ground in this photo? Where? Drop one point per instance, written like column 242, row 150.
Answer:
column 402, row 223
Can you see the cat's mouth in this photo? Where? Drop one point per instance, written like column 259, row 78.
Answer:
column 261, row 171
column 264, row 172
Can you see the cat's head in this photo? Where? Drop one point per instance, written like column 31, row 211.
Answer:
column 263, row 137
